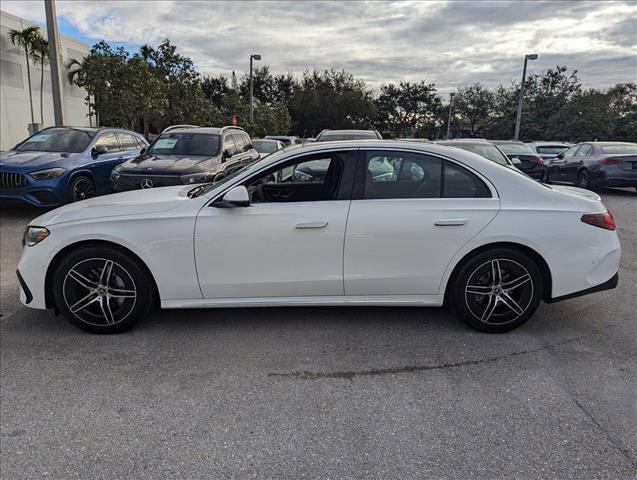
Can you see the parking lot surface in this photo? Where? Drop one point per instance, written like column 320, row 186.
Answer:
column 323, row 392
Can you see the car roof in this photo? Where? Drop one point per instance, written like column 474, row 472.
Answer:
column 464, row 141
column 269, row 140
column 513, row 142
column 208, row 130
column 547, row 142
column 351, row 131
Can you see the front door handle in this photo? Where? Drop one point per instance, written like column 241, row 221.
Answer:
column 450, row 222
column 319, row 224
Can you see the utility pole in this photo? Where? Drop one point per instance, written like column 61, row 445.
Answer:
column 518, row 118
column 255, row 57
column 56, row 66
column 449, row 119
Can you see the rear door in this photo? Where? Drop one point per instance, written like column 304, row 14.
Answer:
column 575, row 162
column 406, row 222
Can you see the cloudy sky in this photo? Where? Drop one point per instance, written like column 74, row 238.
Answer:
column 449, row 43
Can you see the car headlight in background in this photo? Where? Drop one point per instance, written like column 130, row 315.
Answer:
column 34, row 235
column 47, row 174
column 195, row 178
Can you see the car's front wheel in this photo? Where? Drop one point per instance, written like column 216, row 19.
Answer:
column 80, row 188
column 497, row 290
column 583, row 180
column 101, row 289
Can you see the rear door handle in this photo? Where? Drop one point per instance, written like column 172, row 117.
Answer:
column 319, row 224
column 450, row 222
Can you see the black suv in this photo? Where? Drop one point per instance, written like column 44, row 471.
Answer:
column 185, row 156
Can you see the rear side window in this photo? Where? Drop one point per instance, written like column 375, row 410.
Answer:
column 128, row 141
column 458, row 182
column 389, row 174
column 229, row 145
column 239, row 142
column 108, row 140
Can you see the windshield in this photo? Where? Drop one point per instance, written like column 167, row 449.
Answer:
column 626, row 148
column 487, row 151
column 65, row 140
column 265, row 147
column 515, row 149
column 182, row 143
column 551, row 149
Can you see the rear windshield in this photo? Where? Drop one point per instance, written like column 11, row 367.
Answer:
column 487, row 151
column 65, row 140
column 265, row 147
column 328, row 137
column 182, row 143
column 515, row 149
column 551, row 149
column 628, row 148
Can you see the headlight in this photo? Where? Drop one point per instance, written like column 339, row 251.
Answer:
column 50, row 173
column 34, row 235
column 195, row 178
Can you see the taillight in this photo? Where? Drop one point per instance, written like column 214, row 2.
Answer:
column 537, row 160
column 601, row 220
column 611, row 161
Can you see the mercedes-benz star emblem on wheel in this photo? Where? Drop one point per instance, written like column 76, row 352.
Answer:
column 146, row 183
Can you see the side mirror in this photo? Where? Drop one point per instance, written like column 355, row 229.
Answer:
column 235, row 197
column 560, row 155
column 99, row 150
column 516, row 161
column 142, row 151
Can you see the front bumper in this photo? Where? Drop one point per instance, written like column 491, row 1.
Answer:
column 39, row 194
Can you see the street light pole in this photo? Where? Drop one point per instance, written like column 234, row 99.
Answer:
column 256, row 57
column 449, row 119
column 518, row 118
column 56, row 67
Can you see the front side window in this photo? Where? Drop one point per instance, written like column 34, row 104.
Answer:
column 128, row 141
column 310, row 178
column 65, row 140
column 585, row 150
column 108, row 140
column 186, row 144
column 390, row 174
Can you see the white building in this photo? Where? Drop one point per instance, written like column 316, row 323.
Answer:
column 15, row 114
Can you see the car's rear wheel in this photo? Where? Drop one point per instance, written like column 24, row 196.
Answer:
column 81, row 187
column 497, row 290
column 545, row 176
column 583, row 180
column 101, row 289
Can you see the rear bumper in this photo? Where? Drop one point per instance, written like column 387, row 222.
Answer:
column 613, row 176
column 607, row 285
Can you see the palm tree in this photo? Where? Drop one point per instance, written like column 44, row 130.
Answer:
column 24, row 39
column 40, row 53
column 79, row 74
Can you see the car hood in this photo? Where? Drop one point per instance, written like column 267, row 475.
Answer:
column 32, row 160
column 136, row 202
column 152, row 164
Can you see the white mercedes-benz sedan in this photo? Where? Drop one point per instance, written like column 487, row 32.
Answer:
column 346, row 223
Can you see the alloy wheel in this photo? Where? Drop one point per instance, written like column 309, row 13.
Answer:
column 499, row 291
column 99, row 291
column 82, row 188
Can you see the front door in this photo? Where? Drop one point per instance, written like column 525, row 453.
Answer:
column 288, row 242
column 410, row 214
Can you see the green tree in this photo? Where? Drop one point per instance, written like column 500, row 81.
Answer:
column 475, row 110
column 330, row 99
column 26, row 39
column 40, row 53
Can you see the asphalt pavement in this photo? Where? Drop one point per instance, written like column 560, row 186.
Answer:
column 338, row 393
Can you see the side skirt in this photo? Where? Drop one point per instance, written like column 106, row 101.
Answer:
column 369, row 300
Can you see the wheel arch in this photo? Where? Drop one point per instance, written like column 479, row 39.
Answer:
column 55, row 261
column 537, row 258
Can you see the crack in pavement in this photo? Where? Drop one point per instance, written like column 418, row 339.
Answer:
column 617, row 445
column 350, row 375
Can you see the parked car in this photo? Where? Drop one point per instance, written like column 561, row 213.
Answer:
column 286, row 140
column 483, row 148
column 340, row 135
column 448, row 225
column 596, row 164
column 549, row 150
column 187, row 155
column 530, row 162
column 65, row 164
column 266, row 146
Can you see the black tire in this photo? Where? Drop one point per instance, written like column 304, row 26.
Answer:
column 545, row 176
column 102, row 290
column 479, row 296
column 80, row 188
column 583, row 179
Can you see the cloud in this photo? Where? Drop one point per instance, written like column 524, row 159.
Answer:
column 447, row 42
